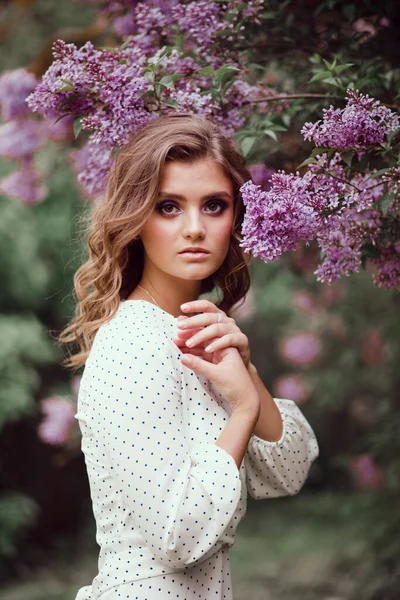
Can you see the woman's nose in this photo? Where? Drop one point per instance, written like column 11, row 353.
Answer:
column 194, row 223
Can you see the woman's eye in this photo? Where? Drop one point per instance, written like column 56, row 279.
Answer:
column 217, row 204
column 164, row 207
column 161, row 208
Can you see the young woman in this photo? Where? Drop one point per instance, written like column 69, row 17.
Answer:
column 177, row 427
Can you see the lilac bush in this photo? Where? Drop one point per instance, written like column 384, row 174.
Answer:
column 182, row 55
column 352, row 214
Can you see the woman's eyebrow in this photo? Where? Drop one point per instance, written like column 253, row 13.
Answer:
column 206, row 197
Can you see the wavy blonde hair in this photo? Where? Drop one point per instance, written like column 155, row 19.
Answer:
column 116, row 256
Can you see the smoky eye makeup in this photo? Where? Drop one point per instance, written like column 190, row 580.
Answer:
column 223, row 205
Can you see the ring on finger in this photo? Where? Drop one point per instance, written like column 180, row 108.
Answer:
column 219, row 318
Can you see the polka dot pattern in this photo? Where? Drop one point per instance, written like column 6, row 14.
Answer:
column 167, row 501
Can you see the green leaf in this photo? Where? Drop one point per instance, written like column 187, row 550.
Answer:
column 172, row 103
column 320, row 150
column 110, row 49
column 378, row 173
column 386, row 201
column 224, row 70
column 125, row 44
column 65, row 88
column 77, row 126
column 150, row 76
column 315, row 59
column 146, row 94
column 332, row 81
column 306, row 162
column 205, row 72
column 246, row 145
column 314, row 153
column 230, row 16
column 328, row 65
column 347, row 157
column 320, row 76
column 271, row 134
column 167, row 81
column 68, row 82
column 223, row 32
column 340, row 68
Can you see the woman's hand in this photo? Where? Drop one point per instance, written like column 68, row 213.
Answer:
column 207, row 335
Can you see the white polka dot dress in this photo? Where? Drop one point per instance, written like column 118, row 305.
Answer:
column 166, row 499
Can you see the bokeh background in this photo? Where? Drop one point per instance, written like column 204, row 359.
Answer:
column 333, row 349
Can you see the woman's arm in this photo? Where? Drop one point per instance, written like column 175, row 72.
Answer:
column 278, row 465
column 269, row 425
column 236, row 434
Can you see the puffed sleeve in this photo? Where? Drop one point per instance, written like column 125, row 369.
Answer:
column 180, row 494
column 280, row 468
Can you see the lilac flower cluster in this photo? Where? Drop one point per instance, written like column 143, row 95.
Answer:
column 112, row 95
column 201, row 22
column 103, row 87
column 342, row 215
column 14, row 88
column 364, row 122
column 22, row 135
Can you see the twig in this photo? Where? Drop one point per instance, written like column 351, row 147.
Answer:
column 291, row 97
column 341, row 180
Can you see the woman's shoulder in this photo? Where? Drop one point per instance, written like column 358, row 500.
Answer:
column 137, row 321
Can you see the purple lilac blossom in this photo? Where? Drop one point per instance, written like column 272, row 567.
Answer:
column 339, row 214
column 276, row 220
column 261, row 175
column 25, row 184
column 93, row 162
column 292, row 387
column 85, row 68
column 387, row 275
column 341, row 243
column 364, row 122
column 15, row 86
column 149, row 24
column 20, row 138
column 301, row 349
column 201, row 21
column 366, row 473
column 392, row 179
column 304, row 302
column 59, row 415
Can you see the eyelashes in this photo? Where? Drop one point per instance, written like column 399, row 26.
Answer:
column 221, row 203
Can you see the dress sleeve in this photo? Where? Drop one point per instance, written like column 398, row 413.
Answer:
column 280, row 468
column 180, row 495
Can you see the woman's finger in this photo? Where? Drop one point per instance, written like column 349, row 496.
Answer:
column 218, row 330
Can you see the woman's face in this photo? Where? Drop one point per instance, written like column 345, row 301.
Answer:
column 194, row 208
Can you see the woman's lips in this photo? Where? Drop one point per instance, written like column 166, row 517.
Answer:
column 194, row 255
